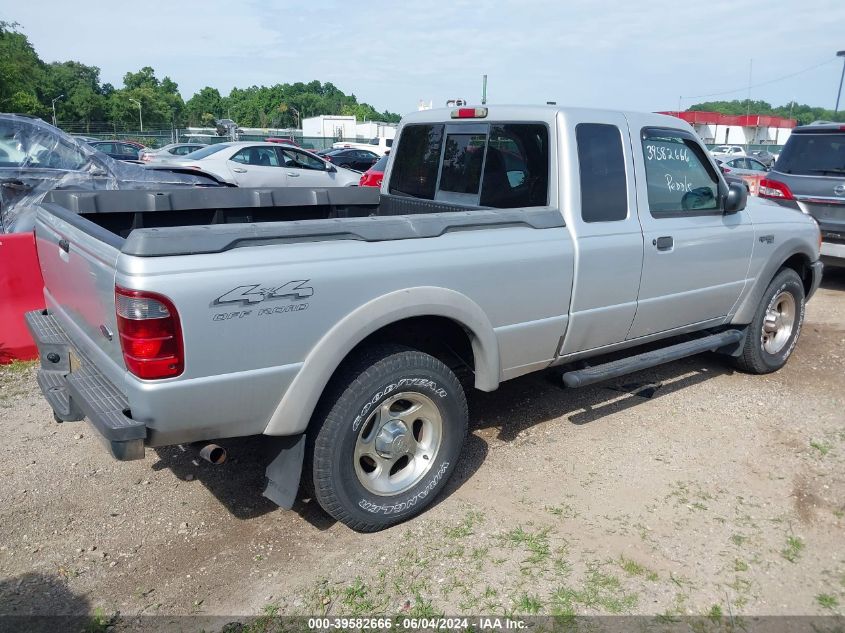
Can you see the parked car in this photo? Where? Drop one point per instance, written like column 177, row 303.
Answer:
column 36, row 157
column 725, row 151
column 742, row 166
column 357, row 159
column 342, row 320
column 378, row 145
column 375, row 174
column 168, row 153
column 119, row 150
column 810, row 175
column 85, row 139
column 764, row 156
column 256, row 164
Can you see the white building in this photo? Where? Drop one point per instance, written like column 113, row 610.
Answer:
column 375, row 129
column 329, row 126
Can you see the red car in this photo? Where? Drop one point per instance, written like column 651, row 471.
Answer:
column 373, row 176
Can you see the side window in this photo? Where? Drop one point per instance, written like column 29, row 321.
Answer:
column 415, row 163
column 679, row 179
column 516, row 171
column 258, row 156
column 300, row 160
column 604, row 188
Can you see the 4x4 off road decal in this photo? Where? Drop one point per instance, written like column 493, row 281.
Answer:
column 254, row 294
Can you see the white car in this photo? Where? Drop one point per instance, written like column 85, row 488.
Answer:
column 380, row 146
column 254, row 164
column 168, row 153
column 727, row 151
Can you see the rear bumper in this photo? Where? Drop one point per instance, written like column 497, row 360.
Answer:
column 75, row 388
column 832, row 249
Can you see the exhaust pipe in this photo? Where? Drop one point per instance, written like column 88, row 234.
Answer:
column 213, row 454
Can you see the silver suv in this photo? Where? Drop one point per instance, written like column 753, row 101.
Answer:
column 810, row 175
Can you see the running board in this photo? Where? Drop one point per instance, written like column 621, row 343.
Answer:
column 590, row 375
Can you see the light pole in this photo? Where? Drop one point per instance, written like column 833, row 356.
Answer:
column 54, row 108
column 839, row 92
column 140, row 118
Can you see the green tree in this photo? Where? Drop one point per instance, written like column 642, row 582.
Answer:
column 21, row 73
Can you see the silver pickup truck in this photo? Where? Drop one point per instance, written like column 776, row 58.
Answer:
column 504, row 240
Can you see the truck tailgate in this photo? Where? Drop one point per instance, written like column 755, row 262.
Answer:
column 78, row 267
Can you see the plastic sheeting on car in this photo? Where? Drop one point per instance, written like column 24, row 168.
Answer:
column 36, row 157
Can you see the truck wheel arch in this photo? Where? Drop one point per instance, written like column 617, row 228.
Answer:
column 294, row 411
column 797, row 260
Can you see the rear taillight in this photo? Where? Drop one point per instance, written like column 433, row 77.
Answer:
column 328, row 158
column 725, row 170
column 150, row 334
column 774, row 189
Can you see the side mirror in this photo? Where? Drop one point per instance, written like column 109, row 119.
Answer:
column 331, row 169
column 736, row 199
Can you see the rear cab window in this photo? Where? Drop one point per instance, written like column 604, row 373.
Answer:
column 679, row 178
column 476, row 164
column 813, row 154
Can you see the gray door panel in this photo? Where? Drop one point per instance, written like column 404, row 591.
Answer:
column 609, row 251
column 695, row 261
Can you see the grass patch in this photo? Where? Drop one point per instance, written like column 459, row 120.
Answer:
column 740, row 565
column 827, row 601
column 536, row 543
column 793, row 548
column 738, row 539
column 715, row 613
column 465, row 527
column 563, row 510
column 99, row 622
column 601, row 591
column 633, row 568
column 528, row 605
column 822, row 447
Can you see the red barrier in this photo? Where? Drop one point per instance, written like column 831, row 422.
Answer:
column 21, row 290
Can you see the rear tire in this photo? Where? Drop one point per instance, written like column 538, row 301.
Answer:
column 386, row 437
column 774, row 331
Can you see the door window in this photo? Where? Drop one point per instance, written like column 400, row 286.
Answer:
column 680, row 180
column 258, row 156
column 300, row 160
column 604, row 188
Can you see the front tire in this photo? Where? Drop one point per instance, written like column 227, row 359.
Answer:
column 774, row 331
column 387, row 437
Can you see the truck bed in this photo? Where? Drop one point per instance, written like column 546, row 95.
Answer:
column 180, row 222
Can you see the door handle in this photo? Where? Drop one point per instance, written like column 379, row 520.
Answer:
column 664, row 243
column 239, row 170
column 293, row 174
column 64, row 245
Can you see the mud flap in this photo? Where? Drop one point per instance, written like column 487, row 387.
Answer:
column 284, row 472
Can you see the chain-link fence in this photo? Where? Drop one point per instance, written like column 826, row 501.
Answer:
column 159, row 138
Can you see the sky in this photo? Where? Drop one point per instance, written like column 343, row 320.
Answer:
column 617, row 54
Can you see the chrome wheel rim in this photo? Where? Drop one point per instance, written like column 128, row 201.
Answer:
column 398, row 443
column 778, row 323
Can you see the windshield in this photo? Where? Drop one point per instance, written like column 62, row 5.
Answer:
column 813, row 154
column 207, row 151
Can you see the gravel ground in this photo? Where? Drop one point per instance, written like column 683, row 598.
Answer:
column 722, row 493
